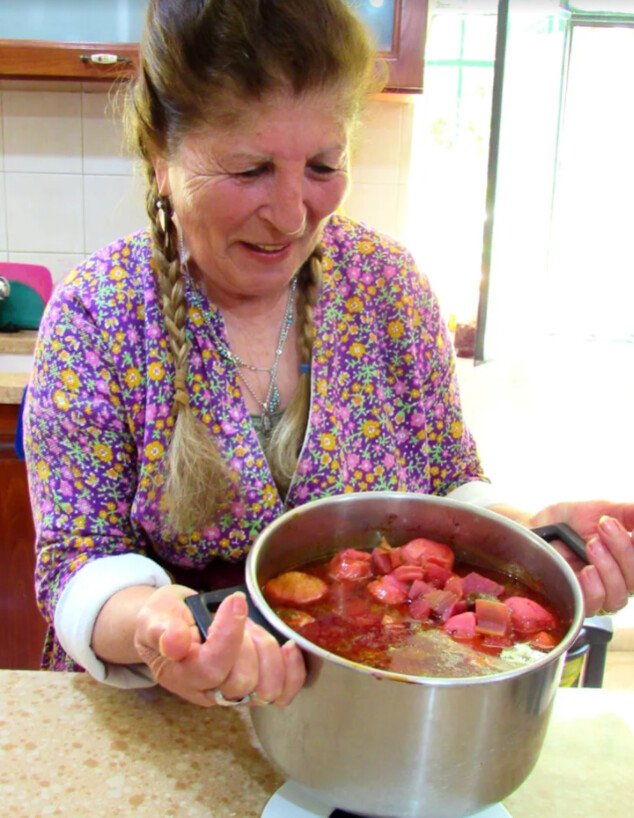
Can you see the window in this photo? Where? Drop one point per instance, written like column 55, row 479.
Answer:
column 448, row 174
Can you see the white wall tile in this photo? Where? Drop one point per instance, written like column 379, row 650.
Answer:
column 45, row 213
column 402, row 208
column 42, row 131
column 374, row 204
column 98, row 87
column 377, row 152
column 103, row 141
column 3, row 215
column 58, row 263
column 115, row 206
column 407, row 134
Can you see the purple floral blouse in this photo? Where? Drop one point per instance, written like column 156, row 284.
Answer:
column 385, row 411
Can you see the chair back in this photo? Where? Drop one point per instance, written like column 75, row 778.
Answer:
column 34, row 275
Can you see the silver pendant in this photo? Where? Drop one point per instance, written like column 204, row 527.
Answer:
column 274, row 402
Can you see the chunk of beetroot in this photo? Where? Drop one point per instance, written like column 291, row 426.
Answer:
column 454, row 584
column 442, row 603
column 396, row 557
column 460, row 607
column 408, row 573
column 492, row 617
column 419, row 609
column 295, row 588
column 388, row 589
column 381, row 562
column 351, row 564
column 529, row 616
column 461, row 626
column 475, row 583
column 422, row 550
column 419, row 588
column 436, row 575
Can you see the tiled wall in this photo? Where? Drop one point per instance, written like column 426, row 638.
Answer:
column 66, row 187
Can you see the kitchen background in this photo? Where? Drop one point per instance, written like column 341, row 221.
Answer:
column 551, row 406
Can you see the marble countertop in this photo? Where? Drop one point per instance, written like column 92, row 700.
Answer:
column 12, row 385
column 16, row 358
column 70, row 746
column 18, row 343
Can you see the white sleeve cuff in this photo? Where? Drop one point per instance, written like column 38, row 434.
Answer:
column 478, row 493
column 83, row 598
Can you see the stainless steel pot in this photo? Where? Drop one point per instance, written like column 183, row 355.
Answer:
column 394, row 746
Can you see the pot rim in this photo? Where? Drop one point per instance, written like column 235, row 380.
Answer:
column 428, row 681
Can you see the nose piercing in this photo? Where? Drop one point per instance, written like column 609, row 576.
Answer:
column 300, row 231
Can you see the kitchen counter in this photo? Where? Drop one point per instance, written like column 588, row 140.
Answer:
column 16, row 359
column 70, row 746
column 12, row 385
column 18, row 343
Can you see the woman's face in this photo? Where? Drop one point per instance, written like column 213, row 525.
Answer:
column 252, row 201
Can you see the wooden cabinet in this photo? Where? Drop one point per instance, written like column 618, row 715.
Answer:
column 39, row 59
column 399, row 27
column 404, row 51
column 22, row 627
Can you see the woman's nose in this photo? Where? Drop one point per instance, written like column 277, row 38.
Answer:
column 285, row 208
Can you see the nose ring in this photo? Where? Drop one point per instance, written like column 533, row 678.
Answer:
column 299, row 231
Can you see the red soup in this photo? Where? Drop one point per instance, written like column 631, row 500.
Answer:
column 415, row 610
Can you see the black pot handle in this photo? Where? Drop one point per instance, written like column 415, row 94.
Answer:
column 567, row 535
column 204, row 605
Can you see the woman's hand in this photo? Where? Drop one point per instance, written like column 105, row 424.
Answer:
column 238, row 658
column 607, row 529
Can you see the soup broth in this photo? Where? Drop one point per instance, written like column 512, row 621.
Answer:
column 415, row 610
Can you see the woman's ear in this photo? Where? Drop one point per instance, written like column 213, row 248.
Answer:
column 161, row 171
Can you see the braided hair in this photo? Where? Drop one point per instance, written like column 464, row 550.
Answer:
column 202, row 63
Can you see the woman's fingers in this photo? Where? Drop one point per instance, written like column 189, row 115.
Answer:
column 612, row 554
column 619, row 542
column 243, row 675
column 225, row 637
column 271, row 666
column 610, row 574
column 593, row 590
column 164, row 626
column 295, row 675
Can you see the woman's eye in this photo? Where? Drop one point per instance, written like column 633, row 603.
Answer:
column 322, row 170
column 252, row 173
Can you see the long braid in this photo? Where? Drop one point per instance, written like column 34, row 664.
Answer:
column 197, row 481
column 172, row 290
column 288, row 436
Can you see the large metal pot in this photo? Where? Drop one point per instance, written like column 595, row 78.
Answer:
column 394, row 746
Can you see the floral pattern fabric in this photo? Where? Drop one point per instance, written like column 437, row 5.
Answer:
column 385, row 411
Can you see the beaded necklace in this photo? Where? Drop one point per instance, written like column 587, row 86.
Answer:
column 271, row 400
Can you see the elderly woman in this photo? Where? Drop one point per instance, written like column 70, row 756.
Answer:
column 250, row 352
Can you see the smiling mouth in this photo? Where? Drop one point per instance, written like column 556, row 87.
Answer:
column 266, row 248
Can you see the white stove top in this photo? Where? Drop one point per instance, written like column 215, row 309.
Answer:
column 293, row 801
